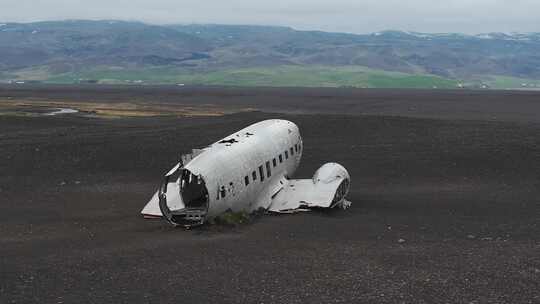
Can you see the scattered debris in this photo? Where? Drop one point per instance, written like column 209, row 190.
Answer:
column 471, row 236
column 401, row 241
column 345, row 204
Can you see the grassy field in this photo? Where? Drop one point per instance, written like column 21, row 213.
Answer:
column 313, row 76
column 282, row 76
column 506, row 82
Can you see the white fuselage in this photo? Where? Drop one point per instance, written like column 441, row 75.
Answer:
column 246, row 171
column 243, row 170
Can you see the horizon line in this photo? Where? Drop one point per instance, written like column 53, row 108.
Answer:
column 3, row 23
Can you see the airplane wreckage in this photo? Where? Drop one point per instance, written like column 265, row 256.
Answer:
column 245, row 172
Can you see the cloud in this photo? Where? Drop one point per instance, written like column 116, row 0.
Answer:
column 359, row 16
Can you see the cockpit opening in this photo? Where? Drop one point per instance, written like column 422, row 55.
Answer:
column 194, row 196
column 193, row 190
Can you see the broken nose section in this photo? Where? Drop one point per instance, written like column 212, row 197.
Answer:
column 188, row 195
column 186, row 217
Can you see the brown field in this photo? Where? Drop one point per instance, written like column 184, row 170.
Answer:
column 30, row 107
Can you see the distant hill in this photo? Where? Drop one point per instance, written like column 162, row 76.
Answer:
column 133, row 52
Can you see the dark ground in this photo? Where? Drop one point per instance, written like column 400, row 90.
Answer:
column 455, row 174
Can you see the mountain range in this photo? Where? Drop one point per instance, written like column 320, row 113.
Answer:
column 133, row 52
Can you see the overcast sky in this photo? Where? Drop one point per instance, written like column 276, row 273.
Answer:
column 356, row 16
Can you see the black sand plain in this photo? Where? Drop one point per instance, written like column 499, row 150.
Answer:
column 445, row 191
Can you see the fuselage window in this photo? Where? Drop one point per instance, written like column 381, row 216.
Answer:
column 268, row 172
column 280, row 158
column 286, row 154
column 261, row 173
column 254, row 175
column 222, row 191
column 246, row 180
column 292, row 151
column 274, row 162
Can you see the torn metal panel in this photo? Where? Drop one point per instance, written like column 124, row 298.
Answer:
column 186, row 158
column 174, row 201
column 327, row 189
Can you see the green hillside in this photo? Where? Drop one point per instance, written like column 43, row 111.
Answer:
column 133, row 52
column 315, row 76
